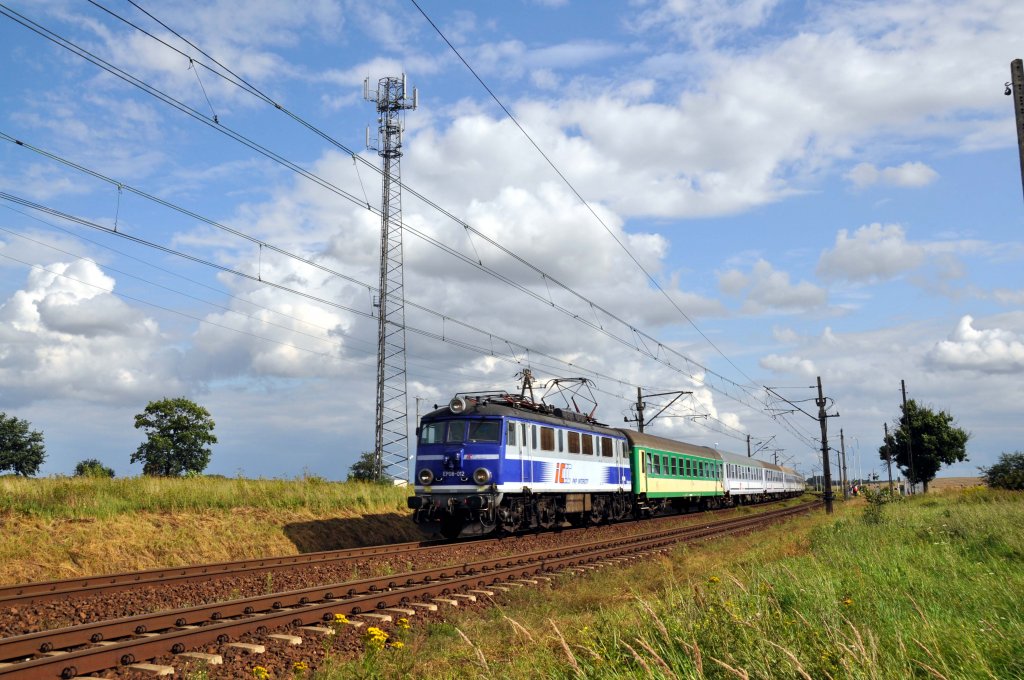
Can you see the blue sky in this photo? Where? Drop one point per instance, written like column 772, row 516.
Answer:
column 824, row 189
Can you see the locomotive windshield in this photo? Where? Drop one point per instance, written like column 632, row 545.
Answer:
column 455, row 432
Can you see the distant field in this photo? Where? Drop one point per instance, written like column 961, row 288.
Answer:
column 954, row 483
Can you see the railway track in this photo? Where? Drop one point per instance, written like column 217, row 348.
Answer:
column 42, row 591
column 68, row 652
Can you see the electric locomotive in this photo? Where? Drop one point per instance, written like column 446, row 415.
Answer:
column 497, row 460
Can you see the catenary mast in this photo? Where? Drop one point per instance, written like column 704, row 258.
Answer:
column 391, row 436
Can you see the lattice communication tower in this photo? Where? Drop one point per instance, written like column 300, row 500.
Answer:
column 391, row 444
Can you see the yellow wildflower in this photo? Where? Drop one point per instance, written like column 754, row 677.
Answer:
column 397, row 644
column 376, row 638
column 713, row 580
column 340, row 618
column 848, row 600
column 402, row 624
column 260, row 673
column 300, row 666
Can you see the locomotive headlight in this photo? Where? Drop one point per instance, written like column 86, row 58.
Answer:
column 481, row 476
column 457, row 405
column 425, row 477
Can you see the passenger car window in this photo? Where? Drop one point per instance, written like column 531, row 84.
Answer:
column 574, row 442
column 547, row 439
column 606, row 447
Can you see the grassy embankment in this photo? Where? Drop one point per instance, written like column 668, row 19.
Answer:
column 935, row 589
column 63, row 527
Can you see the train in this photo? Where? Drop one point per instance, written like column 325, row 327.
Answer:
column 500, row 462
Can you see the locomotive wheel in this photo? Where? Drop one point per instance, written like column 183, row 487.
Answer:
column 545, row 514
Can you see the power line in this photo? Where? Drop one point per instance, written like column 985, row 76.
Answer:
column 572, row 188
column 245, row 85
column 528, row 351
column 596, row 326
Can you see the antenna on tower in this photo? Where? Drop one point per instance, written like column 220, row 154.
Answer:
column 391, row 435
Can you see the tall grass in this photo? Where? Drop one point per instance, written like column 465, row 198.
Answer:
column 933, row 589
column 90, row 497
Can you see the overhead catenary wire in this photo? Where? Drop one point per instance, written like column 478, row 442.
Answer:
column 416, row 232
column 658, row 346
column 249, row 87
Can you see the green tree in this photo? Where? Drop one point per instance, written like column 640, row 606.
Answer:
column 178, row 435
column 934, row 441
column 21, row 449
column 90, row 467
column 1007, row 473
column 364, row 469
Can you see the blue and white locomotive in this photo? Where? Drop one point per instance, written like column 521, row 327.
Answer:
column 497, row 460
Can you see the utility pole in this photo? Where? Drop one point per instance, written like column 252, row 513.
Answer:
column 888, row 456
column 640, row 406
column 391, row 435
column 846, row 478
column 826, row 468
column 1017, row 82
column 640, row 410
column 910, row 447
column 748, row 446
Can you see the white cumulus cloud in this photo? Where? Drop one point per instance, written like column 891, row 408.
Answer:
column 873, row 252
column 991, row 350
column 768, row 288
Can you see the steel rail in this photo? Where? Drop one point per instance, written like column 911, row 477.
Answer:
column 260, row 614
column 42, row 591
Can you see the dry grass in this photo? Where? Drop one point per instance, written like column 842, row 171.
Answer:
column 62, row 527
column 954, row 483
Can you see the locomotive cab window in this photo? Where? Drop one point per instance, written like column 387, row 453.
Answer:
column 432, row 433
column 456, row 431
column 485, row 431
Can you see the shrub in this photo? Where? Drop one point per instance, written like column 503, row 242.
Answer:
column 876, row 500
column 90, row 467
column 1007, row 473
